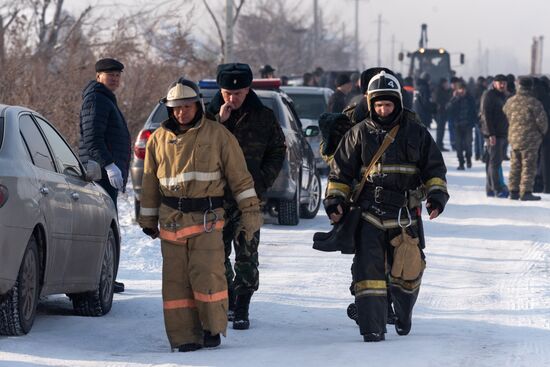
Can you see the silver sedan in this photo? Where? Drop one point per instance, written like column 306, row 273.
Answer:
column 58, row 229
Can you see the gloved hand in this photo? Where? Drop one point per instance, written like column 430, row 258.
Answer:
column 151, row 232
column 331, row 204
column 251, row 218
column 115, row 176
column 432, row 205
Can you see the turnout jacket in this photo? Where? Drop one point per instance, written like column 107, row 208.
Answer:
column 192, row 165
column 411, row 162
column 259, row 135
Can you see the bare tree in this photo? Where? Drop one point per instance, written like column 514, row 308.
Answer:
column 221, row 37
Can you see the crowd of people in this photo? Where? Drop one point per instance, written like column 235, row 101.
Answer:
column 489, row 119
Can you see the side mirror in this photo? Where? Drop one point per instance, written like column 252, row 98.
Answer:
column 462, row 59
column 400, row 56
column 311, row 131
column 93, row 171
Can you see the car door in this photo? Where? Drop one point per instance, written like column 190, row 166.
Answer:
column 53, row 200
column 89, row 228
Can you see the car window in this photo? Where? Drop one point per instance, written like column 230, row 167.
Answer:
column 309, row 106
column 65, row 157
column 159, row 115
column 294, row 125
column 35, row 142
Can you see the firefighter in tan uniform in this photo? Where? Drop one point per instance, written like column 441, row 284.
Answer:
column 188, row 162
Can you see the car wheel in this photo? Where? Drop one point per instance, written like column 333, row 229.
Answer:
column 18, row 308
column 99, row 302
column 289, row 210
column 310, row 209
column 137, row 205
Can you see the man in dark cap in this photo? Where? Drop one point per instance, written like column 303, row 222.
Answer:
column 267, row 71
column 261, row 138
column 494, row 127
column 337, row 101
column 104, row 134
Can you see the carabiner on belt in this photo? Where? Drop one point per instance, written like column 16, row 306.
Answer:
column 209, row 224
column 408, row 216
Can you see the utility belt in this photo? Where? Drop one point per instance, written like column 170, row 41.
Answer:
column 381, row 196
column 188, row 205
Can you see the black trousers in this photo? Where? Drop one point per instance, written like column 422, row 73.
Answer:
column 374, row 256
column 463, row 142
column 493, row 165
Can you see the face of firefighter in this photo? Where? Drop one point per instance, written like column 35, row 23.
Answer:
column 383, row 108
column 186, row 112
column 111, row 79
column 234, row 98
column 500, row 86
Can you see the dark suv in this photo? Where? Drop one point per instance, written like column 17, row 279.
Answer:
column 296, row 193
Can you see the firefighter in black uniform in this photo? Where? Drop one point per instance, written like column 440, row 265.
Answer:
column 412, row 167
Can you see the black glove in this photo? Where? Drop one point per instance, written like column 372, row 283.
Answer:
column 151, row 232
column 331, row 205
column 434, row 204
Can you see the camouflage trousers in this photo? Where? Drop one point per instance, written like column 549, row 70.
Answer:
column 245, row 278
column 523, row 169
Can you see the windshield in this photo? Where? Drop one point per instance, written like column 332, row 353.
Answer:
column 309, row 106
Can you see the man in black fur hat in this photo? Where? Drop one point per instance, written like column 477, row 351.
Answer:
column 261, row 138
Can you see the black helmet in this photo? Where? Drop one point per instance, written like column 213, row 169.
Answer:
column 182, row 91
column 384, row 86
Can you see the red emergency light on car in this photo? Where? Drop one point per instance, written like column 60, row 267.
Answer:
column 271, row 83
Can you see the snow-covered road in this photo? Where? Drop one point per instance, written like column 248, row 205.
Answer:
column 484, row 301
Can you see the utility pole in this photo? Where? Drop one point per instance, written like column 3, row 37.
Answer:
column 379, row 39
column 315, row 28
column 541, row 40
column 229, row 31
column 393, row 51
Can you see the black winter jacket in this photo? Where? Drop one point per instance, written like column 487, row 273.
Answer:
column 104, row 135
column 412, row 160
column 462, row 110
column 493, row 119
column 260, row 136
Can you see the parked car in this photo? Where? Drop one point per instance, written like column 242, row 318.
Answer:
column 310, row 103
column 58, row 229
column 296, row 193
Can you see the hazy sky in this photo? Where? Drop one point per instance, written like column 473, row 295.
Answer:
column 494, row 35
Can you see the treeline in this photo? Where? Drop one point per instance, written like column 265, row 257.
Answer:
column 47, row 54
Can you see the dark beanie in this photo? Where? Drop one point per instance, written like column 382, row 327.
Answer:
column 108, row 65
column 525, row 82
column 342, row 79
column 367, row 75
column 234, row 76
column 500, row 78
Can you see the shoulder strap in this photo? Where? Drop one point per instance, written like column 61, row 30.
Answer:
column 388, row 139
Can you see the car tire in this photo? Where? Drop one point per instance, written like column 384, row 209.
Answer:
column 289, row 210
column 18, row 307
column 310, row 209
column 137, row 205
column 99, row 302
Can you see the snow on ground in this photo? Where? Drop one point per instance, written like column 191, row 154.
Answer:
column 484, row 301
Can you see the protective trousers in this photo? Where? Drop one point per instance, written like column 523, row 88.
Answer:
column 194, row 289
column 245, row 278
column 523, row 169
column 374, row 257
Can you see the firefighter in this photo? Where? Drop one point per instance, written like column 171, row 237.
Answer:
column 188, row 162
column 390, row 236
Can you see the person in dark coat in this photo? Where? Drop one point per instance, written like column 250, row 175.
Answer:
column 261, row 138
column 479, row 89
column 104, row 134
column 462, row 110
column 337, row 101
column 494, row 127
column 422, row 102
column 411, row 161
column 442, row 96
column 542, row 180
